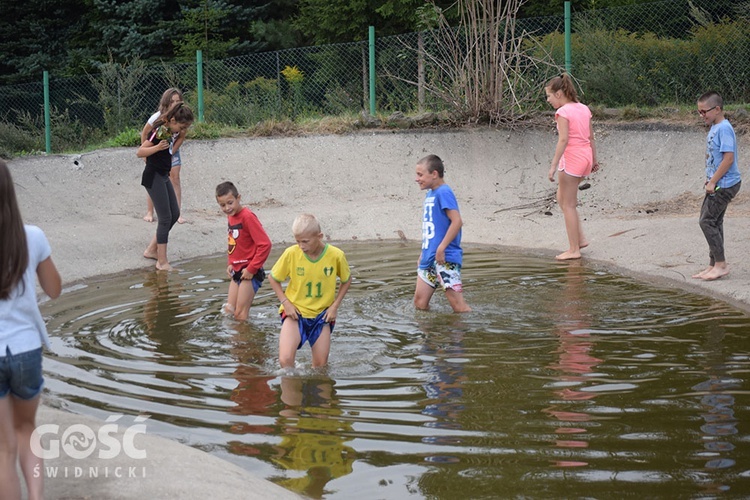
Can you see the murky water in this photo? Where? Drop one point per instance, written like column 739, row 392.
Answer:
column 565, row 381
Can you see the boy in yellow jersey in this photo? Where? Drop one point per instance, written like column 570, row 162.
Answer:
column 310, row 304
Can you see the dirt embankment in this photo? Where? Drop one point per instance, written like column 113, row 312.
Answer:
column 640, row 213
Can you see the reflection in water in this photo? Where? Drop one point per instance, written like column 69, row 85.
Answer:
column 443, row 359
column 571, row 312
column 253, row 394
column 428, row 405
column 161, row 312
column 717, row 402
column 312, row 433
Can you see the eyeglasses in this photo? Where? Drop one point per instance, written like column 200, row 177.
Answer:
column 703, row 112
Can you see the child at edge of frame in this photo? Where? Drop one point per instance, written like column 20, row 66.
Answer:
column 248, row 247
column 26, row 257
column 723, row 182
column 442, row 256
column 310, row 304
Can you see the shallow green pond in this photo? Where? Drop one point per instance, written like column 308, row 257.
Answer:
column 565, row 381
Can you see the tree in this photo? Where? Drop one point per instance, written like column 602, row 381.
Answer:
column 134, row 28
column 336, row 21
column 202, row 28
column 34, row 37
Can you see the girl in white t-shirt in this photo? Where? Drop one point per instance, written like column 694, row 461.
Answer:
column 24, row 254
column 168, row 98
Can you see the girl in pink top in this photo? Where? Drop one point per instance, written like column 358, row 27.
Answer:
column 575, row 156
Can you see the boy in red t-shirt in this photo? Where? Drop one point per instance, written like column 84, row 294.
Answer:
column 249, row 247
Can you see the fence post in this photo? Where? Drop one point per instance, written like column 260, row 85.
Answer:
column 199, row 68
column 47, row 124
column 279, row 101
column 567, row 36
column 372, row 70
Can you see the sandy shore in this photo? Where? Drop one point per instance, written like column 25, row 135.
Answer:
column 640, row 213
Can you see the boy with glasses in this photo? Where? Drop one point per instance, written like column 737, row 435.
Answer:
column 722, row 182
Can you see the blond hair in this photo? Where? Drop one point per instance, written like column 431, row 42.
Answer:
column 305, row 224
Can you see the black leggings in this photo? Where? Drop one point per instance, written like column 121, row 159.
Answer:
column 165, row 204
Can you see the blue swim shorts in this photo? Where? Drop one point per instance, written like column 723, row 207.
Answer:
column 257, row 280
column 310, row 328
column 21, row 374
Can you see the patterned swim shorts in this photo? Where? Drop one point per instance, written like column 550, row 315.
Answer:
column 448, row 275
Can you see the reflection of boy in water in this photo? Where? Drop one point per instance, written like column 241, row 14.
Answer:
column 311, row 439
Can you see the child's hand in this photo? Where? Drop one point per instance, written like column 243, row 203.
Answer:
column 162, row 145
column 330, row 314
column 440, row 255
column 246, row 275
column 229, row 271
column 290, row 310
column 551, row 174
column 595, row 168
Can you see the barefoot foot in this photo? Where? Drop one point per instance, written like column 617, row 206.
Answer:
column 163, row 267
column 150, row 255
column 584, row 244
column 149, row 217
column 568, row 255
column 700, row 275
column 715, row 273
column 181, row 220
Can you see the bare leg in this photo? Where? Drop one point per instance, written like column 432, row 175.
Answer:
column 288, row 342
column 322, row 348
column 231, row 304
column 24, row 417
column 149, row 217
column 456, row 300
column 162, row 264
column 150, row 251
column 245, row 297
column 11, row 485
column 422, row 295
column 567, row 198
column 174, row 176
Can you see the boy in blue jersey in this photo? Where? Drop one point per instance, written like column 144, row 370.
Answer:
column 310, row 304
column 442, row 256
column 722, row 182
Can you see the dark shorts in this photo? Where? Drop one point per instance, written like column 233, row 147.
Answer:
column 21, row 374
column 257, row 280
column 310, row 328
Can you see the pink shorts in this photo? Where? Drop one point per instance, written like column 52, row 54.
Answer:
column 576, row 163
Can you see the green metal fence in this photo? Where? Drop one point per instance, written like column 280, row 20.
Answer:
column 660, row 53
